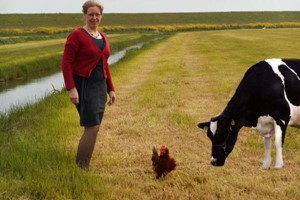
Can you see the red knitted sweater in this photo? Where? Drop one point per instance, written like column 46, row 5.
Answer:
column 81, row 56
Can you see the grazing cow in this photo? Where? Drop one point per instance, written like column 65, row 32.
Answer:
column 267, row 99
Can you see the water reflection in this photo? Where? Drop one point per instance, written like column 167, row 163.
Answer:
column 39, row 88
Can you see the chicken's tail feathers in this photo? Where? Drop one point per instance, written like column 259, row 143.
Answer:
column 155, row 156
column 154, row 149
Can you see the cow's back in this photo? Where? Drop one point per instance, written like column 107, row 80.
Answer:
column 291, row 73
column 267, row 88
column 288, row 70
column 259, row 85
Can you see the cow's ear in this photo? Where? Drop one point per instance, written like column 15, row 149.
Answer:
column 202, row 125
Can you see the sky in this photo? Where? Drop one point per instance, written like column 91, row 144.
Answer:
column 148, row 6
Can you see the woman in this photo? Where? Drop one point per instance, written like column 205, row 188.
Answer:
column 87, row 77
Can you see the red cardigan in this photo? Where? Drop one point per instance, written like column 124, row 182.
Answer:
column 81, row 56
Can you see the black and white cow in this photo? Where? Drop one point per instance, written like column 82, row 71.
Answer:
column 267, row 99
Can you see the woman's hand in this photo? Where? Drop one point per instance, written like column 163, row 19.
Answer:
column 74, row 96
column 112, row 98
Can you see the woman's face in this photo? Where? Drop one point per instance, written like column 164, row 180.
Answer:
column 93, row 17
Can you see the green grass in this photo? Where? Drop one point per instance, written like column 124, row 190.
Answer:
column 50, row 26
column 199, row 18
column 38, row 163
column 163, row 91
column 27, row 21
column 37, row 37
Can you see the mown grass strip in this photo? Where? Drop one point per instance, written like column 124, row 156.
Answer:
column 164, row 92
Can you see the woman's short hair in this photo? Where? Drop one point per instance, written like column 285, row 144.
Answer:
column 92, row 3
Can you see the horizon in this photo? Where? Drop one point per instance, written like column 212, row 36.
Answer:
column 180, row 12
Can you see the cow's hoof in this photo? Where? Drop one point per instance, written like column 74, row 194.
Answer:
column 266, row 167
column 266, row 164
column 278, row 165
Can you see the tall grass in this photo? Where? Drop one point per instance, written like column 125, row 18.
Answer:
column 37, row 156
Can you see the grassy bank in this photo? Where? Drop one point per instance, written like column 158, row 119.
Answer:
column 39, row 25
column 145, row 28
column 163, row 92
column 29, row 21
column 32, row 58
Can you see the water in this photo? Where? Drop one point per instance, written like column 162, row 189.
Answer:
column 37, row 89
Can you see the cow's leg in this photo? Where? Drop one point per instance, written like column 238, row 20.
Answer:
column 278, row 144
column 268, row 146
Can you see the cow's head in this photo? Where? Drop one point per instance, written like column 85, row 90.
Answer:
column 218, row 131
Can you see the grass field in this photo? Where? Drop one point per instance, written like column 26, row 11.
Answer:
column 163, row 91
column 25, row 21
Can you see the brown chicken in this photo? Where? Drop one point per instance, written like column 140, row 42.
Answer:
column 163, row 163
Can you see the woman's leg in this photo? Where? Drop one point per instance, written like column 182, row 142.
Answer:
column 86, row 146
